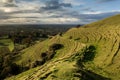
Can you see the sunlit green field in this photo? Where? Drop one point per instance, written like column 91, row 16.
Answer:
column 7, row 43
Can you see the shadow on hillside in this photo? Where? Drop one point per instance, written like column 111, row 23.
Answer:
column 89, row 75
column 88, row 54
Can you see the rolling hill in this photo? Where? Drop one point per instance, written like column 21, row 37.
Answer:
column 90, row 52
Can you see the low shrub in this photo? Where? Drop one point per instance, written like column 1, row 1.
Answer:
column 55, row 47
column 89, row 53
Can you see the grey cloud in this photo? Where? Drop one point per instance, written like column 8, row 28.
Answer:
column 92, row 16
column 102, row 1
column 8, row 3
column 55, row 4
column 100, row 16
column 86, row 18
column 4, row 15
column 88, row 9
column 60, row 11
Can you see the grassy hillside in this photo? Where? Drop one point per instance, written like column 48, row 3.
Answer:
column 91, row 52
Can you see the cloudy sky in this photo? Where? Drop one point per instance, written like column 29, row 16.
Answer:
column 56, row 11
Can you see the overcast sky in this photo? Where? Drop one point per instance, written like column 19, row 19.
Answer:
column 56, row 11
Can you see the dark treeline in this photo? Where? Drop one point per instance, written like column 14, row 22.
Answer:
column 49, row 29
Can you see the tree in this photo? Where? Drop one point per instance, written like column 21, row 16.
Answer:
column 55, row 46
column 89, row 53
column 78, row 26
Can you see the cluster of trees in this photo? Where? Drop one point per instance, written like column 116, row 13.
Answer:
column 26, row 37
column 7, row 67
column 89, row 53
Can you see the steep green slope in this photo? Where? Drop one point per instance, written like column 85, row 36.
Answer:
column 33, row 53
column 91, row 52
column 105, row 34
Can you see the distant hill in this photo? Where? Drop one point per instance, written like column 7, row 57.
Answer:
column 90, row 52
